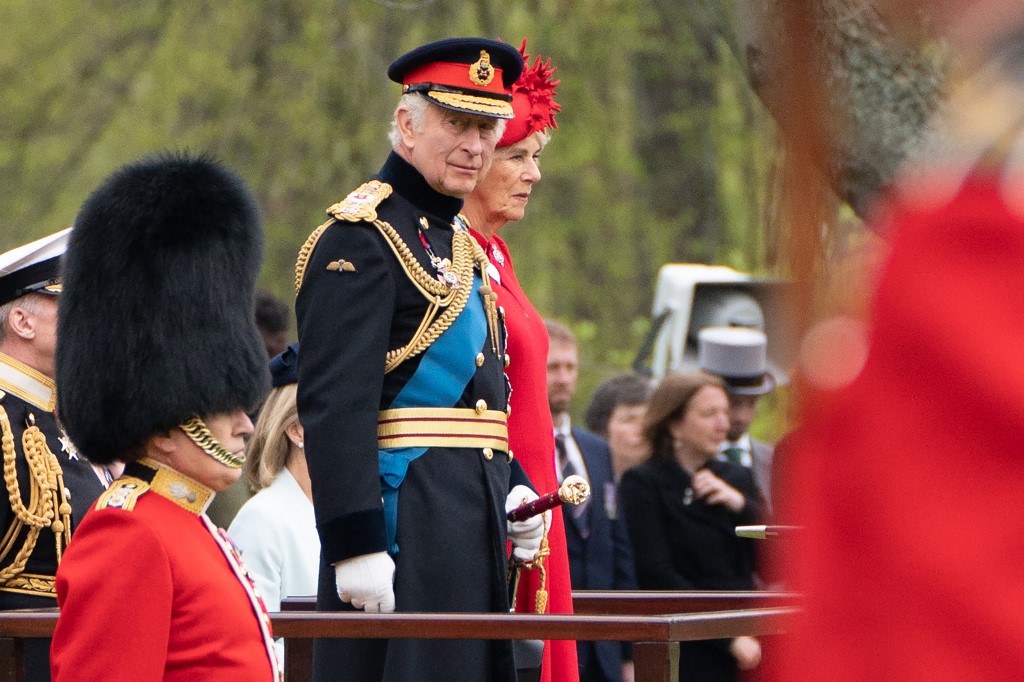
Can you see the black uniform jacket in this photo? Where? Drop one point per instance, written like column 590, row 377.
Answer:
column 27, row 398
column 356, row 302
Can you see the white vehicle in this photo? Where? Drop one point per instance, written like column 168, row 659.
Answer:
column 690, row 297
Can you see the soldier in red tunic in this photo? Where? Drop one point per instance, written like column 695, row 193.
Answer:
column 499, row 198
column 159, row 362
column 908, row 478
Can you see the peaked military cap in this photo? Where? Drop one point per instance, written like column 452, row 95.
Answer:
column 472, row 75
column 33, row 267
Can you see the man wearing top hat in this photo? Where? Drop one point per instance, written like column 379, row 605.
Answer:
column 402, row 392
column 54, row 485
column 739, row 355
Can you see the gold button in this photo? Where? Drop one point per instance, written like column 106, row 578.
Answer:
column 479, row 359
column 508, row 360
column 481, row 406
column 488, row 454
column 510, row 457
column 508, row 410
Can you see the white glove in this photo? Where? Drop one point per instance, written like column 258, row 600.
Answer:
column 525, row 535
column 367, row 581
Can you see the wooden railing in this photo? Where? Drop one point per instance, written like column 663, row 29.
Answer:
column 655, row 621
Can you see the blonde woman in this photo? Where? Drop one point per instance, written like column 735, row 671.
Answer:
column 275, row 529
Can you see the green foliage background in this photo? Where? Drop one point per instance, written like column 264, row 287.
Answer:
column 662, row 153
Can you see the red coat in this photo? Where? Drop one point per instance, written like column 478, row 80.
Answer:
column 909, row 480
column 149, row 593
column 531, row 437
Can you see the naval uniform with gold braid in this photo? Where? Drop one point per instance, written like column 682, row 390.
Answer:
column 403, row 396
column 203, row 619
column 48, row 489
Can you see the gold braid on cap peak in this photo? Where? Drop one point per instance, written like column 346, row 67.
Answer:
column 197, row 431
column 48, row 505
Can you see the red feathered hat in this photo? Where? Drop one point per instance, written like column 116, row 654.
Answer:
column 533, row 100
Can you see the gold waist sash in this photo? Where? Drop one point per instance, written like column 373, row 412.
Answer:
column 31, row 583
column 444, row 427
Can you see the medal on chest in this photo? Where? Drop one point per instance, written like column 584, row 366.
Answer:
column 443, row 266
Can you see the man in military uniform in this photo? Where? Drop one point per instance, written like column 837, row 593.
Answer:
column 54, row 486
column 402, row 391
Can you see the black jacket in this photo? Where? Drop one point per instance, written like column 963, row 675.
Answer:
column 682, row 545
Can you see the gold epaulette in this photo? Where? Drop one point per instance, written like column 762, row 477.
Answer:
column 359, row 206
column 122, row 493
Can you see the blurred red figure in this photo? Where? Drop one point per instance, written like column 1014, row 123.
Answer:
column 907, row 473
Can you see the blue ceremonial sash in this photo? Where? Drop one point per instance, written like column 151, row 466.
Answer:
column 444, row 372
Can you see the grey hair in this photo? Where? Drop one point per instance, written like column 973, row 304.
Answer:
column 30, row 302
column 417, row 106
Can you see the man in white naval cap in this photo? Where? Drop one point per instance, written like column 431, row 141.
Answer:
column 739, row 355
column 37, row 530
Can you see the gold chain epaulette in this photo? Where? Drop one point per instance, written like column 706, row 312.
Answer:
column 48, row 505
column 359, row 206
column 197, row 431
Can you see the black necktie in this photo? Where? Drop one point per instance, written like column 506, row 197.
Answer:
column 566, row 467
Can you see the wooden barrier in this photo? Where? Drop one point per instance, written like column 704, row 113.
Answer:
column 637, row 617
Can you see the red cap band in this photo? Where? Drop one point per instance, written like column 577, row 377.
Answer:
column 456, row 76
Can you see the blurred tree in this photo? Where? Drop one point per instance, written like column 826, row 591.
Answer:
column 663, row 152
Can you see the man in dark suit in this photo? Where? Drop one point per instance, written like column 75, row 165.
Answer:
column 600, row 556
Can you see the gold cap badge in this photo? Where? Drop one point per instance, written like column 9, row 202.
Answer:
column 480, row 71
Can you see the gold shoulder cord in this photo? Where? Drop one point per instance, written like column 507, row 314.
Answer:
column 437, row 294
column 306, row 251
column 465, row 254
column 47, row 493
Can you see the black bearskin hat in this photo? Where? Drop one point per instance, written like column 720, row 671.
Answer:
column 156, row 321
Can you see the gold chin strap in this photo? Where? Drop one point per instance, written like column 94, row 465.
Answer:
column 48, row 505
column 197, row 432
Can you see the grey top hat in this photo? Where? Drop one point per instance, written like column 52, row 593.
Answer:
column 739, row 355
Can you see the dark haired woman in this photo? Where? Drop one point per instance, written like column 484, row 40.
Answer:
column 682, row 507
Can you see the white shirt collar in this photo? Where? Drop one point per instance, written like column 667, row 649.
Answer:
column 563, row 425
column 743, row 443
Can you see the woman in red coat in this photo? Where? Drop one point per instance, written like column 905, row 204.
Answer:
column 157, row 363
column 499, row 198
